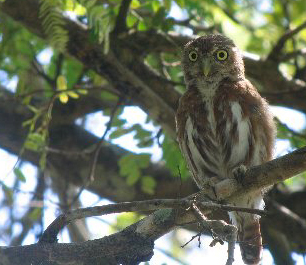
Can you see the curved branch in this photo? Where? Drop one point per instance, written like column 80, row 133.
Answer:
column 135, row 243
column 276, row 51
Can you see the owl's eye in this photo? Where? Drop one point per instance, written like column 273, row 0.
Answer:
column 193, row 56
column 221, row 55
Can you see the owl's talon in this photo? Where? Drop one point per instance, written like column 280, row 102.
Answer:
column 239, row 173
column 209, row 184
column 214, row 191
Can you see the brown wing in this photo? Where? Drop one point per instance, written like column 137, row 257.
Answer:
column 255, row 108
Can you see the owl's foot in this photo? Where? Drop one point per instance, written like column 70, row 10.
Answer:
column 209, row 184
column 239, row 173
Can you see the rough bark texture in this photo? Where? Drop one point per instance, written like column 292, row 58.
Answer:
column 135, row 243
column 128, row 75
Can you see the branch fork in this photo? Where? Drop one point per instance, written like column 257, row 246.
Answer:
column 220, row 230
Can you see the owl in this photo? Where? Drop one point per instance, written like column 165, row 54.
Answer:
column 223, row 125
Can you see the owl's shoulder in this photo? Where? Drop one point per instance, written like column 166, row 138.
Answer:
column 242, row 91
column 245, row 94
column 238, row 88
column 190, row 100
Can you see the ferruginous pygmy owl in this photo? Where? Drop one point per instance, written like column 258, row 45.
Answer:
column 224, row 124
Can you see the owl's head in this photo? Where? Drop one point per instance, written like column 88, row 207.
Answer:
column 212, row 58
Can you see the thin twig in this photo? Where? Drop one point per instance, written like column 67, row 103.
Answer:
column 294, row 133
column 293, row 55
column 92, row 171
column 59, row 66
column 221, row 229
column 81, row 153
column 26, row 221
column 233, row 18
column 288, row 214
column 195, row 28
column 192, row 238
column 137, row 206
column 288, row 18
column 39, row 69
column 275, row 54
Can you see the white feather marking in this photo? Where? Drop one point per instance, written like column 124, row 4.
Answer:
column 196, row 156
column 239, row 150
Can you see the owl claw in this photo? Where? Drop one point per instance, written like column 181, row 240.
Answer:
column 210, row 185
column 239, row 173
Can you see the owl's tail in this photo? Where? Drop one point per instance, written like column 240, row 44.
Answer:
column 250, row 242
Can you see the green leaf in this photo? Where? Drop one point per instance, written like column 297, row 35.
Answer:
column 143, row 160
column 71, row 69
column 173, row 158
column 131, row 165
column 34, row 142
column 145, row 143
column 33, row 109
column 106, row 95
column 133, row 178
column 141, row 133
column 61, row 83
column 35, row 214
column 118, row 122
column 142, row 26
column 167, row 4
column 69, row 5
column 18, row 173
column 73, row 94
column 8, row 193
column 82, row 91
column 131, row 20
column 125, row 219
column 148, row 184
column 180, row 3
column 135, row 4
column 63, row 97
column 79, row 10
column 119, row 132
column 155, row 5
column 159, row 16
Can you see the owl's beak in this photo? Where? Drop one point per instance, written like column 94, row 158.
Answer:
column 206, row 67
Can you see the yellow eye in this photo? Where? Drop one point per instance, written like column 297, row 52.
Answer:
column 193, row 56
column 221, row 55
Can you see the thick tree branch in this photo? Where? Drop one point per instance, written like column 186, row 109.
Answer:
column 130, row 76
column 70, row 141
column 265, row 175
column 74, row 140
column 120, row 25
column 50, row 234
column 157, row 96
column 160, row 222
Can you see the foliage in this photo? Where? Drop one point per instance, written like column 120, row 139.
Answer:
column 53, row 23
column 61, row 80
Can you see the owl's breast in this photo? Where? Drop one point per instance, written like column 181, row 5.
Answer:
column 216, row 140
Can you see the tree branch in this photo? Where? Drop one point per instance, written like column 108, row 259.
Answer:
column 147, row 88
column 221, row 230
column 276, row 51
column 142, row 234
column 120, row 25
column 50, row 234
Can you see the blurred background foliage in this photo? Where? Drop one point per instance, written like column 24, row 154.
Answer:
column 41, row 76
